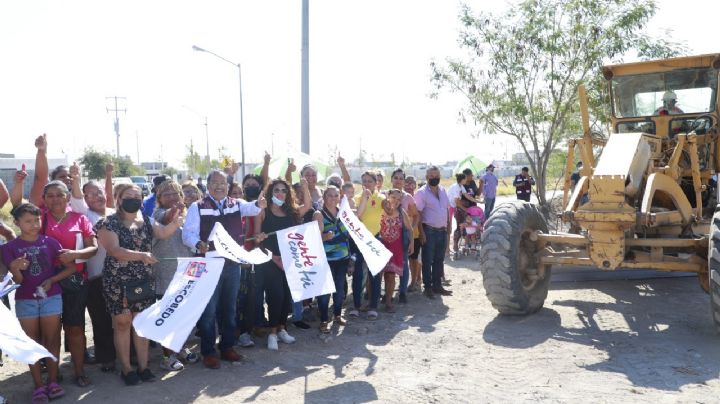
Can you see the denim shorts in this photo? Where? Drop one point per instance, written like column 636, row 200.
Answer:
column 33, row 308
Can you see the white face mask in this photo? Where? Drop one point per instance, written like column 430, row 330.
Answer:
column 277, row 201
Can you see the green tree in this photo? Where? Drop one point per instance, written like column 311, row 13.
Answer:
column 94, row 162
column 124, row 167
column 524, row 67
column 194, row 162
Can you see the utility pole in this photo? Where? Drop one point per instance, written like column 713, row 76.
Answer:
column 305, row 79
column 117, row 120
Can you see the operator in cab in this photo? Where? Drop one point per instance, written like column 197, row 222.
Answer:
column 669, row 106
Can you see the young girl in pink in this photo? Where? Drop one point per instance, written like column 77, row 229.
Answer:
column 392, row 220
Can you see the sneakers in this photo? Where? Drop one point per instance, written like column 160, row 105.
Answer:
column 354, row 313
column 189, row 356
column 285, row 337
column 339, row 320
column 245, row 341
column 272, row 342
column 325, row 327
column 171, row 363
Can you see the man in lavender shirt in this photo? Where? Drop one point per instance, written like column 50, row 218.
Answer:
column 488, row 184
column 432, row 202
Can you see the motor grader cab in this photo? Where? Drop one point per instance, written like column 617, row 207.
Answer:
column 647, row 202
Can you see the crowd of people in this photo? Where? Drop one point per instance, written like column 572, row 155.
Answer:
column 94, row 246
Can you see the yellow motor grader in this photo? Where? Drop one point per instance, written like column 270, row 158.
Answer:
column 647, row 202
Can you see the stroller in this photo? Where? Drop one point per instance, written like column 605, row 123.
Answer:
column 472, row 230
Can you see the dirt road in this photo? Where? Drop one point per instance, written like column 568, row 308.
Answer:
column 601, row 341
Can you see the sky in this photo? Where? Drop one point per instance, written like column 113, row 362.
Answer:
column 369, row 77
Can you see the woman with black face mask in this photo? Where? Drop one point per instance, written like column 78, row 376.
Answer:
column 127, row 236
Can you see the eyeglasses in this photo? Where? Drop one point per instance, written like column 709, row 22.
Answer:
column 280, row 191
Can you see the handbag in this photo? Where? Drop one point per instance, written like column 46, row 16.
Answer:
column 73, row 283
column 138, row 290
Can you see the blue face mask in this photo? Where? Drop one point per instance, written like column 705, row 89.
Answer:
column 277, row 202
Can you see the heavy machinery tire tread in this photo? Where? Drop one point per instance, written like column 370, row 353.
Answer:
column 714, row 270
column 498, row 258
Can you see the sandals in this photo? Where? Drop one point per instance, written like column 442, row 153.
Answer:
column 354, row 313
column 54, row 391
column 372, row 315
column 82, row 381
column 325, row 327
column 40, row 395
column 339, row 320
column 390, row 308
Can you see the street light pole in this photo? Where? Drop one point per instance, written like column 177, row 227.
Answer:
column 242, row 136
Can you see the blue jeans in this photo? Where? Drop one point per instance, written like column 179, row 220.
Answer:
column 224, row 298
column 338, row 269
column 433, row 256
column 489, row 206
column 358, row 284
column 297, row 311
column 405, row 277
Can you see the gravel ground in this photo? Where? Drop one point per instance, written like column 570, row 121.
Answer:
column 599, row 341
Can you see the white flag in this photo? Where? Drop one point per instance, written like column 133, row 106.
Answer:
column 374, row 252
column 304, row 260
column 228, row 248
column 15, row 343
column 170, row 320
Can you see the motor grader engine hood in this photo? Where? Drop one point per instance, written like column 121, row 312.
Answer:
column 612, row 190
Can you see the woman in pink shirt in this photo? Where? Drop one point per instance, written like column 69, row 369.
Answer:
column 77, row 238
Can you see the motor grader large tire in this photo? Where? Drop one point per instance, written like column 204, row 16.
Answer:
column 714, row 269
column 514, row 282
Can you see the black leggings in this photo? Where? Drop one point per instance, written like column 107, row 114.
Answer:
column 277, row 292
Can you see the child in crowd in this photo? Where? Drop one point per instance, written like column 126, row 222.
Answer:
column 348, row 190
column 31, row 259
column 392, row 222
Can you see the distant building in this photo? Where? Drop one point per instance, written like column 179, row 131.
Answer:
column 153, row 168
column 9, row 165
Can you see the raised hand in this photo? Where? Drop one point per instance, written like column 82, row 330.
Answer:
column 41, row 143
column 366, row 194
column 261, row 201
column 291, row 166
column 20, row 176
column 340, row 160
column 267, row 158
column 109, row 167
column 75, row 171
